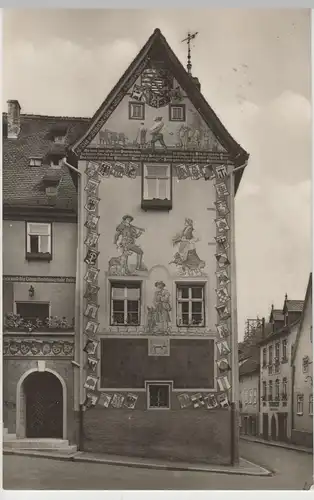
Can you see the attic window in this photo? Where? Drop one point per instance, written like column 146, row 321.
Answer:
column 35, row 162
column 177, row 112
column 59, row 139
column 55, row 161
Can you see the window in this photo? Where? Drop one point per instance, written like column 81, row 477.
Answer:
column 305, row 364
column 156, row 186
column 32, row 311
column 125, row 304
column 38, row 240
column 190, row 305
column 56, row 161
column 264, row 390
column 177, row 113
column 264, row 356
column 277, row 390
column 270, row 392
column 284, row 388
column 245, row 396
column 284, row 350
column 59, row 139
column 136, row 111
column 270, row 355
column 311, row 334
column 300, row 404
column 277, row 352
column 311, row 404
column 254, row 396
column 158, row 395
column 35, row 162
column 250, row 396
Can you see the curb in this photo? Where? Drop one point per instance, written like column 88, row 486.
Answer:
column 78, row 457
column 278, row 445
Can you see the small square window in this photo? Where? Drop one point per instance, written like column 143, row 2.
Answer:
column 35, row 162
column 177, row 112
column 136, row 111
column 158, row 396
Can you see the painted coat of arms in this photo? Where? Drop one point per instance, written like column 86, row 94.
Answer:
column 156, row 87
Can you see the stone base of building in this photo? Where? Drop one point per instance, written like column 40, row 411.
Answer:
column 302, row 438
column 179, row 435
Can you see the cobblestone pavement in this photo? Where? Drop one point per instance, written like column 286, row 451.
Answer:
column 292, row 470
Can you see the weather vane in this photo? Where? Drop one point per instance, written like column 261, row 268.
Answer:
column 188, row 39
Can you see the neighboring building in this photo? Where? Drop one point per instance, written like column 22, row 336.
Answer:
column 275, row 375
column 249, row 374
column 302, row 382
column 157, row 268
column 39, row 269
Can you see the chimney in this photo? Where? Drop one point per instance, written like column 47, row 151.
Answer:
column 14, row 122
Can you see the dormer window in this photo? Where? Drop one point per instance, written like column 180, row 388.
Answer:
column 59, row 139
column 35, row 162
column 55, row 161
column 156, row 187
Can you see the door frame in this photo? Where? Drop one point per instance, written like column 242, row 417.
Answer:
column 21, row 402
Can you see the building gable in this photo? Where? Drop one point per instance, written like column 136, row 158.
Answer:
column 143, row 99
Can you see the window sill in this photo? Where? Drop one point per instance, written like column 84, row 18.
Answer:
column 39, row 256
column 156, row 204
column 300, row 414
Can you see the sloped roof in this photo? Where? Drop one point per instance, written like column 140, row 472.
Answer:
column 294, row 305
column 22, row 184
column 308, row 294
column 157, row 44
column 250, row 365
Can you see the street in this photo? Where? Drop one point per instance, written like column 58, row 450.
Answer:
column 291, row 470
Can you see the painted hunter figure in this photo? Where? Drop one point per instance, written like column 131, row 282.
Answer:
column 125, row 241
column 158, row 316
column 186, row 258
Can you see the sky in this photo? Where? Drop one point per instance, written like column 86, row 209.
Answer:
column 255, row 70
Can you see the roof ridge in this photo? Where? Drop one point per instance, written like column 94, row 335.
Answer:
column 30, row 115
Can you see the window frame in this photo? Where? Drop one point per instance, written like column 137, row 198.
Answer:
column 270, row 355
column 167, row 383
column 254, row 396
column 32, row 302
column 126, row 285
column 156, row 203
column 35, row 159
column 270, row 390
column 277, row 389
column 250, row 397
column 264, row 357
column 140, row 105
column 37, row 255
column 180, row 106
column 264, row 386
column 300, row 404
column 311, row 405
column 190, row 300
column 284, row 345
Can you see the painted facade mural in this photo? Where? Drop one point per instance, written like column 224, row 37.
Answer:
column 186, row 258
column 156, row 114
column 158, row 316
column 125, row 239
column 36, row 347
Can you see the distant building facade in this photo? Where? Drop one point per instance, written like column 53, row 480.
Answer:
column 275, row 373
column 302, row 376
column 249, row 389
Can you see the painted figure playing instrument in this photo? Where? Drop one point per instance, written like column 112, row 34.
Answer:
column 125, row 241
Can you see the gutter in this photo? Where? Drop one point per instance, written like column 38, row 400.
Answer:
column 79, row 303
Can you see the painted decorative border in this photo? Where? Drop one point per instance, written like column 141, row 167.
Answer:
column 37, row 279
column 35, row 347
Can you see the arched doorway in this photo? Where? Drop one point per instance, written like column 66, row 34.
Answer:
column 265, row 426
column 273, row 428
column 250, row 426
column 282, row 426
column 43, row 406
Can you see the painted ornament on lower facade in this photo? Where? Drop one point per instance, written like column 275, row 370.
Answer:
column 34, row 347
column 186, row 258
column 125, row 239
column 158, row 315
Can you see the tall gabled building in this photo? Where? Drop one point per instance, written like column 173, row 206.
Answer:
column 157, row 176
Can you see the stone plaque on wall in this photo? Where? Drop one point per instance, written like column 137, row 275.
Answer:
column 159, row 346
